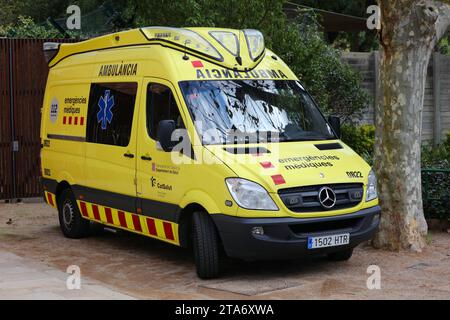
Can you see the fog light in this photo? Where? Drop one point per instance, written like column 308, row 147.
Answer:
column 258, row 231
column 376, row 219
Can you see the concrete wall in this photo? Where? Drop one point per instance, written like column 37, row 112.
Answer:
column 436, row 111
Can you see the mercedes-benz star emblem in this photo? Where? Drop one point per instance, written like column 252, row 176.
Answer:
column 327, row 197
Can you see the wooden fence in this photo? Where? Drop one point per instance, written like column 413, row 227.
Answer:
column 23, row 74
column 436, row 109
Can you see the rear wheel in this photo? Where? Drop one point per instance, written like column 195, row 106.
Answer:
column 70, row 220
column 343, row 255
column 205, row 242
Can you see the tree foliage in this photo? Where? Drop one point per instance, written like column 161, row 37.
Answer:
column 444, row 45
column 333, row 84
column 361, row 139
column 366, row 40
column 27, row 28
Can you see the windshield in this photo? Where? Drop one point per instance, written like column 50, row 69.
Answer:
column 243, row 111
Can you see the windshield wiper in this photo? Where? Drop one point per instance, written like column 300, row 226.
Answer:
column 255, row 137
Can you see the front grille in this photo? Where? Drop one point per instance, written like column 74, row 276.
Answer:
column 306, row 199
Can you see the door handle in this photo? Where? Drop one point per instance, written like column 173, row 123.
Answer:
column 146, row 158
column 129, row 155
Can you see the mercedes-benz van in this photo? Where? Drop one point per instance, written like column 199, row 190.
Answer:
column 202, row 138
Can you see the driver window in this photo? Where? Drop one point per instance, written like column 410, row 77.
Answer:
column 161, row 105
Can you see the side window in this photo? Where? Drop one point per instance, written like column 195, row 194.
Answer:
column 161, row 105
column 110, row 113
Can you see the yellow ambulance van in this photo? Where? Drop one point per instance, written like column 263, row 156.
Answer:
column 202, row 138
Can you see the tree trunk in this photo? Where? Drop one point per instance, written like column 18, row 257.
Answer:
column 410, row 30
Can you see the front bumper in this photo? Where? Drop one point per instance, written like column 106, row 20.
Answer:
column 286, row 238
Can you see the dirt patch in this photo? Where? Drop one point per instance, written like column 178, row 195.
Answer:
column 151, row 269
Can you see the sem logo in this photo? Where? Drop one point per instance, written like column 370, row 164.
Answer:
column 105, row 114
column 54, row 109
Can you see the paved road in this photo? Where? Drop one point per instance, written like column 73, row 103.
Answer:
column 144, row 268
column 25, row 279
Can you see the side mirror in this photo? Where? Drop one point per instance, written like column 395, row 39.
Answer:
column 335, row 123
column 165, row 130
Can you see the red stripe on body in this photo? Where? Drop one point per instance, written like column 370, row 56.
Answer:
column 96, row 213
column 151, row 227
column 123, row 221
column 84, row 211
column 137, row 223
column 168, row 230
column 278, row 179
column 108, row 214
column 50, row 199
column 267, row 165
column 197, row 64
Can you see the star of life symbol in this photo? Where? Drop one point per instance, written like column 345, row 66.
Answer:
column 105, row 104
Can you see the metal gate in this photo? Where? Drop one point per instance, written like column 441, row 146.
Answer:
column 23, row 74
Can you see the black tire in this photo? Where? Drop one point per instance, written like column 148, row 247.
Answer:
column 343, row 255
column 205, row 242
column 70, row 221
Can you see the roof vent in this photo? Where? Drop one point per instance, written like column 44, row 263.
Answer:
column 329, row 146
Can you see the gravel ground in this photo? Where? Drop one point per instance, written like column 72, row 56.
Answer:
column 149, row 269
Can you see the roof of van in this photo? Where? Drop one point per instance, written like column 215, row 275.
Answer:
column 233, row 49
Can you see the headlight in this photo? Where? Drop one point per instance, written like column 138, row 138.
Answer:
column 371, row 187
column 250, row 195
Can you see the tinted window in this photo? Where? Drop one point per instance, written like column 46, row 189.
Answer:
column 161, row 105
column 110, row 113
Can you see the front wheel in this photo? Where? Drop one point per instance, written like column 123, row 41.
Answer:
column 70, row 220
column 205, row 242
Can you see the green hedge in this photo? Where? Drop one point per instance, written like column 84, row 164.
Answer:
column 435, row 183
column 361, row 139
column 436, row 193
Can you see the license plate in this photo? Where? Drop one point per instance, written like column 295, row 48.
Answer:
column 328, row 241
